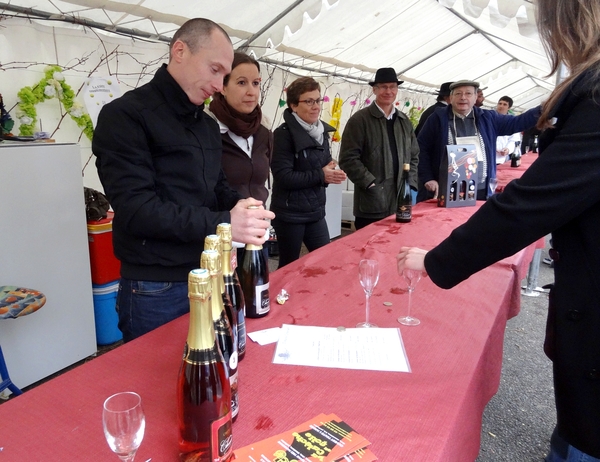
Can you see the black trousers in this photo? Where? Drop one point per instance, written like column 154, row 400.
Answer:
column 361, row 222
column 290, row 237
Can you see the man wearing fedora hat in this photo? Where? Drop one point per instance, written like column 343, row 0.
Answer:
column 443, row 99
column 376, row 142
column 464, row 123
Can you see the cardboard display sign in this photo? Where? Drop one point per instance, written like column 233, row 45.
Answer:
column 458, row 177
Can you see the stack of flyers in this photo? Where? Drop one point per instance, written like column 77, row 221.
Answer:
column 325, row 438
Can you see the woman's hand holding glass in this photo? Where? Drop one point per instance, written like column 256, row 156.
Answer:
column 412, row 258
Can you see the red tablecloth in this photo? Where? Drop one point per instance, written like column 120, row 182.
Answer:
column 431, row 414
column 505, row 173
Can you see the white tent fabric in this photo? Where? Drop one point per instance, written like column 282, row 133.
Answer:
column 340, row 43
column 428, row 42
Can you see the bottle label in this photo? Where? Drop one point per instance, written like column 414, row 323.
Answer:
column 242, row 337
column 404, row 212
column 233, row 361
column 235, row 400
column 221, row 439
column 262, row 301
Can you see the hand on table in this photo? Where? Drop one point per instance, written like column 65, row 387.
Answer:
column 411, row 258
column 332, row 174
column 250, row 225
column 432, row 186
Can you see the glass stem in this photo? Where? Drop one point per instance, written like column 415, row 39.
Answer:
column 367, row 309
column 410, row 291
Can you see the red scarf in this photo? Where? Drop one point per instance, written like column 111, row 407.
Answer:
column 244, row 125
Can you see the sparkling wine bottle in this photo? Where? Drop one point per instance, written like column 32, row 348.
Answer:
column 255, row 282
column 211, row 261
column 214, row 242
column 233, row 288
column 404, row 210
column 203, row 390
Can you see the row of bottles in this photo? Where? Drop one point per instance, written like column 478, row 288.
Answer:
column 459, row 190
column 207, row 389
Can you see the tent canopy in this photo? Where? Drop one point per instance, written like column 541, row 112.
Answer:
column 427, row 41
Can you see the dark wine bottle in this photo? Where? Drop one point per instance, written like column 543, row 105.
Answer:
column 203, row 390
column 534, row 145
column 404, row 203
column 515, row 158
column 255, row 282
column 453, row 192
column 471, row 193
column 211, row 261
column 233, row 288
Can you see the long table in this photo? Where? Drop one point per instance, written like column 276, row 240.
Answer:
column 431, row 414
column 505, row 173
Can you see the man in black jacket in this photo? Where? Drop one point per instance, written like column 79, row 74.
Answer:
column 159, row 160
column 442, row 100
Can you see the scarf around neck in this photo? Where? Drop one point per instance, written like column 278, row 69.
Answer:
column 314, row 130
column 244, row 125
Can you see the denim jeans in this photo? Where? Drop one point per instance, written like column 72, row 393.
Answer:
column 145, row 305
column 561, row 451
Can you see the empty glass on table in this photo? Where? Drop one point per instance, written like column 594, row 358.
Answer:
column 368, row 272
column 124, row 424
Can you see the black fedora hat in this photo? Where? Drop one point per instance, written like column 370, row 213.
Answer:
column 445, row 89
column 386, row 75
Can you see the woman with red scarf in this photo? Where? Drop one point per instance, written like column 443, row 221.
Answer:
column 247, row 144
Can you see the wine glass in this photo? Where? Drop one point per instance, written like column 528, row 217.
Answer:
column 124, row 424
column 412, row 277
column 493, row 184
column 368, row 272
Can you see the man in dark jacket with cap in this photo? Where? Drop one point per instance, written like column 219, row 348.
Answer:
column 443, row 99
column 464, row 123
column 376, row 142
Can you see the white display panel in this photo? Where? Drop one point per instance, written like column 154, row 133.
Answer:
column 43, row 246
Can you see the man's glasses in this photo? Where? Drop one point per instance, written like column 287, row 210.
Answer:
column 311, row 102
column 387, row 87
column 460, row 94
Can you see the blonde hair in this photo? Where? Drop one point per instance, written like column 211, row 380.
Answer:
column 570, row 32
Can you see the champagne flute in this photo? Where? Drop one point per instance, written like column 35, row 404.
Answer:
column 124, row 424
column 493, row 184
column 368, row 272
column 412, row 277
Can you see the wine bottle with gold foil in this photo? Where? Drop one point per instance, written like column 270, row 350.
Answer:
column 255, row 282
column 211, row 261
column 404, row 201
column 214, row 242
column 233, row 287
column 203, row 390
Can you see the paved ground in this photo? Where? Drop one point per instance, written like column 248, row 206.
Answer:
column 519, row 420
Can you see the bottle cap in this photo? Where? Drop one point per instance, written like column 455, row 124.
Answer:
column 199, row 283
column 209, row 260
column 212, row 242
column 406, row 166
column 224, row 231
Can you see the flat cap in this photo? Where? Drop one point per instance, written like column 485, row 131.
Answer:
column 464, row 83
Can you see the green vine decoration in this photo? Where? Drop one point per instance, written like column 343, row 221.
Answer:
column 52, row 85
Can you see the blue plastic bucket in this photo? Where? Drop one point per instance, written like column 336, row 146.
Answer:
column 105, row 314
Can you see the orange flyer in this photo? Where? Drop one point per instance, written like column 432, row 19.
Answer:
column 325, row 438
